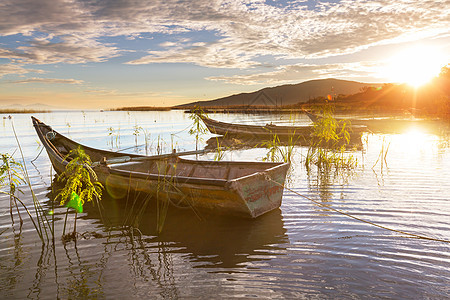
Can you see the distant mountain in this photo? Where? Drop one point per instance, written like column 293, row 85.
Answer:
column 289, row 93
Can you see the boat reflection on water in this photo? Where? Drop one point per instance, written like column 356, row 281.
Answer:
column 249, row 142
column 394, row 125
column 209, row 240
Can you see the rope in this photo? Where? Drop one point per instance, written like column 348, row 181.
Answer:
column 38, row 155
column 138, row 146
column 175, row 133
column 359, row 219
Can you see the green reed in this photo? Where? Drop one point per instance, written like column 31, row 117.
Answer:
column 164, row 186
column 115, row 136
column 382, row 155
column 11, row 177
column 220, row 152
column 198, row 128
column 329, row 141
column 278, row 151
column 136, row 133
column 80, row 183
column 41, row 224
column 147, row 136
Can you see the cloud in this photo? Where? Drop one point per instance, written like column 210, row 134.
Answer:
column 117, row 94
column 214, row 55
column 299, row 72
column 48, row 81
column 13, row 69
column 244, row 30
column 72, row 50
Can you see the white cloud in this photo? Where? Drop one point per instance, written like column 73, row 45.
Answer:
column 245, row 30
column 71, row 49
column 116, row 93
column 13, row 69
column 48, row 81
column 299, row 72
column 215, row 55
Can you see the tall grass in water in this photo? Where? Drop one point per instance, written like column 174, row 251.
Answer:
column 198, row 128
column 329, row 141
column 80, row 185
column 382, row 155
column 147, row 136
column 10, row 176
column 162, row 193
column 136, row 133
column 278, row 151
column 13, row 173
column 167, row 193
column 115, row 136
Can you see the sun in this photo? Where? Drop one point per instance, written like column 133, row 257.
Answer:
column 415, row 66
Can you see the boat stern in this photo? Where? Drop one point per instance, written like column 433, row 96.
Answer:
column 263, row 191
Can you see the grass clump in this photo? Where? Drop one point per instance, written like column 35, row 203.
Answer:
column 10, row 177
column 198, row 128
column 329, row 141
column 278, row 151
column 80, row 183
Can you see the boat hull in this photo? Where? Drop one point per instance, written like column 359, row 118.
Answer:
column 240, row 189
column 294, row 134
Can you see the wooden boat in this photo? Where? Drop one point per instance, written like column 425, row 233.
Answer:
column 245, row 189
column 266, row 131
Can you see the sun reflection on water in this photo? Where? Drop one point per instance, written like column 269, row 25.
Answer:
column 412, row 143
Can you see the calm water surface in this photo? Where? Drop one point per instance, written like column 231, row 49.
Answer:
column 302, row 250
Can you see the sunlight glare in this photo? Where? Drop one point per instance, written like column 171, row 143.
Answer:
column 415, row 141
column 415, row 66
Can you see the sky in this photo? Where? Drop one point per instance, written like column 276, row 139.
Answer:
column 112, row 53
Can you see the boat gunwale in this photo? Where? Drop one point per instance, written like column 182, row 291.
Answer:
column 272, row 166
column 223, row 128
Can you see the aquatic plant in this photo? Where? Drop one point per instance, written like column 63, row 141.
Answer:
column 42, row 223
column 162, row 194
column 220, row 153
column 11, row 177
column 278, row 151
column 382, row 155
column 80, row 183
column 136, row 132
column 147, row 136
column 198, row 128
column 115, row 136
column 329, row 142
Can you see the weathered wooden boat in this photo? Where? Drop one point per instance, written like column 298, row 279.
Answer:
column 244, row 189
column 268, row 130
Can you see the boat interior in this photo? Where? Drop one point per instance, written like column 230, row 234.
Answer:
column 171, row 165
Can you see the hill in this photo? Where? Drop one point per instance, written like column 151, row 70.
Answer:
column 288, row 94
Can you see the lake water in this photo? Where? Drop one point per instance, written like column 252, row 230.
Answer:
column 302, row 250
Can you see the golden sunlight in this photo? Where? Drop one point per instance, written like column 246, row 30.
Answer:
column 415, row 141
column 415, row 66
